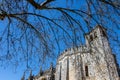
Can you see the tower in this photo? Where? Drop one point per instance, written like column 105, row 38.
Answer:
column 104, row 60
column 97, row 38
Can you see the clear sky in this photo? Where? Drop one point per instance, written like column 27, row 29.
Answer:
column 10, row 74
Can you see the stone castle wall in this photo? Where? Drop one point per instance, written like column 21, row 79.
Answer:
column 93, row 61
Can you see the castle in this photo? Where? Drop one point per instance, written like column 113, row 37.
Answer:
column 92, row 61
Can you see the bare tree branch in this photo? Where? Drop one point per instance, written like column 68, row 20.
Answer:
column 40, row 6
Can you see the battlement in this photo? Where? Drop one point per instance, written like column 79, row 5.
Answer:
column 72, row 51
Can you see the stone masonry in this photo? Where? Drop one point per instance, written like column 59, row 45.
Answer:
column 92, row 61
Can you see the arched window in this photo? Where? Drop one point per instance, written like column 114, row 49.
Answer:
column 104, row 34
column 91, row 38
column 95, row 34
column 86, row 71
column 67, row 76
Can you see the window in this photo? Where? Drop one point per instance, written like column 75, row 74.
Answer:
column 67, row 76
column 86, row 71
column 43, row 79
column 95, row 35
column 91, row 38
column 104, row 34
column 60, row 71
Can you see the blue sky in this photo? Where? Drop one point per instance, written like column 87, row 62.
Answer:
column 10, row 74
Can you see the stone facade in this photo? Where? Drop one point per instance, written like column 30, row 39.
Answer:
column 92, row 61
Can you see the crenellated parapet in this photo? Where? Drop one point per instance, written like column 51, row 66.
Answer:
column 72, row 51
